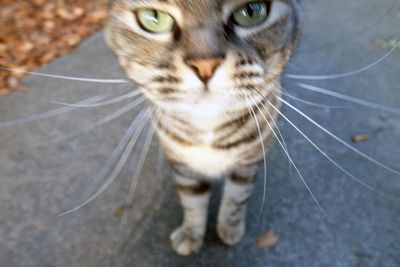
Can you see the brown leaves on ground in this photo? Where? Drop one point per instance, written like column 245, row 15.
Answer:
column 34, row 32
column 267, row 240
column 359, row 138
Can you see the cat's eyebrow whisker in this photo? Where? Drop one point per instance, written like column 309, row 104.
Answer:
column 288, row 156
column 94, row 125
column 122, row 151
column 355, row 150
column 346, row 74
column 51, row 113
column 104, row 103
column 136, row 175
column 62, row 77
column 349, row 98
column 253, row 114
column 324, row 153
column 308, row 102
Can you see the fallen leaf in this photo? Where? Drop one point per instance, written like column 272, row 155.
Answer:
column 24, row 47
column 97, row 16
column 35, row 32
column 14, row 83
column 360, row 138
column 378, row 43
column 267, row 240
column 4, row 91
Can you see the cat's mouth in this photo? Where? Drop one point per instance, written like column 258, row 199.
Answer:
column 204, row 98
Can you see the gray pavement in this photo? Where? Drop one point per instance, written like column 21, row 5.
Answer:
column 358, row 228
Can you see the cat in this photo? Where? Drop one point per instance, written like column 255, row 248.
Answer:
column 211, row 70
column 359, row 228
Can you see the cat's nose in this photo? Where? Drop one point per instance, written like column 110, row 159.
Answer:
column 204, row 67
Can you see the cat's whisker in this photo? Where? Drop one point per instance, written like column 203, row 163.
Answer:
column 70, row 78
column 125, row 147
column 51, row 113
column 278, row 130
column 346, row 74
column 253, row 114
column 104, row 103
column 160, row 161
column 288, row 155
column 324, row 153
column 355, row 150
column 94, row 125
column 349, row 98
column 275, row 125
column 140, row 118
column 136, row 175
column 309, row 102
column 297, row 99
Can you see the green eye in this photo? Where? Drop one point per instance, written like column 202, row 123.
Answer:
column 155, row 21
column 251, row 14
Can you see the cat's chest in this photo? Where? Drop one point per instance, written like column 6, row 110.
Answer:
column 201, row 155
column 205, row 129
column 201, row 131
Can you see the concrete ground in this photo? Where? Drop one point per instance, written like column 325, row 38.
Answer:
column 358, row 228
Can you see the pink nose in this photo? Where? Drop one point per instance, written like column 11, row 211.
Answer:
column 204, row 68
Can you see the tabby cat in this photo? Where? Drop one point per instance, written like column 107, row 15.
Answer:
column 211, row 70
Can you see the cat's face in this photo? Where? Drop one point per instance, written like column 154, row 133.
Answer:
column 203, row 56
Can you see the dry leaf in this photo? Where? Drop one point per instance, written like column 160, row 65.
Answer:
column 37, row 31
column 360, row 138
column 4, row 91
column 24, row 47
column 97, row 16
column 267, row 240
column 13, row 83
column 38, row 3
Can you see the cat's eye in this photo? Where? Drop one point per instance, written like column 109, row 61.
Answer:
column 155, row 21
column 251, row 14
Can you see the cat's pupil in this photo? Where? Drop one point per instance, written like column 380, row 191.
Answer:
column 250, row 10
column 156, row 16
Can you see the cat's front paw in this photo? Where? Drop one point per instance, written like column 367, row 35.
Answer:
column 231, row 234
column 186, row 241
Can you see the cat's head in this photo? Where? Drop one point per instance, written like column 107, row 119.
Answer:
column 203, row 56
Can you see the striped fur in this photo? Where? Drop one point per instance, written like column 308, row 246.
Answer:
column 211, row 126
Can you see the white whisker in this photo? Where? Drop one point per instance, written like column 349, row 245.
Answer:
column 308, row 102
column 104, row 103
column 288, row 155
column 349, row 98
column 96, row 124
column 324, row 153
column 160, row 161
column 127, row 149
column 251, row 110
column 340, row 140
column 136, row 175
column 51, row 113
column 71, row 78
column 343, row 75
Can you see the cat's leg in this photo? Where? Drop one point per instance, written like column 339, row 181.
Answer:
column 194, row 196
column 232, row 213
